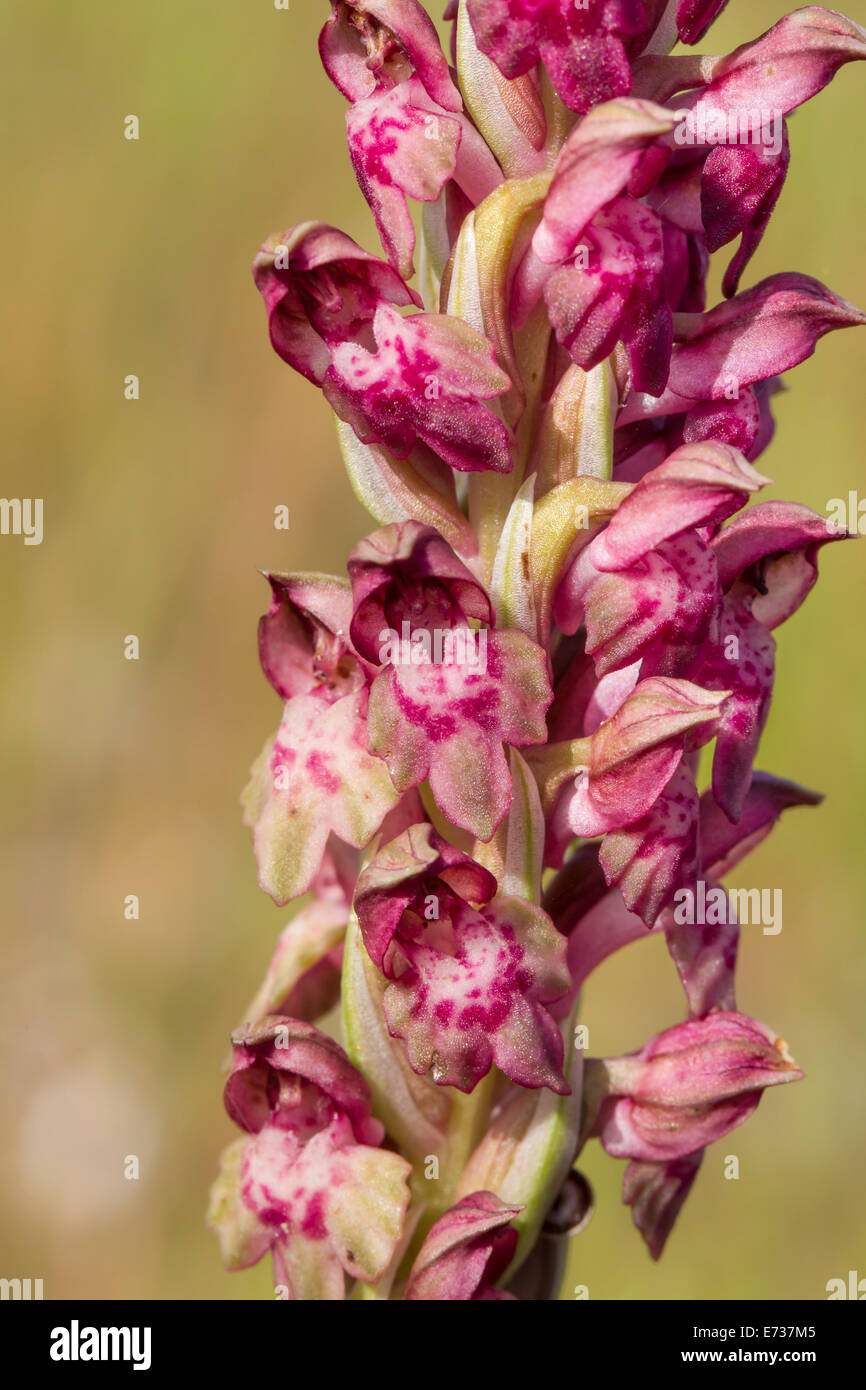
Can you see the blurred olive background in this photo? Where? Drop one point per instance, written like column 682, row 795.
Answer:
column 122, row 777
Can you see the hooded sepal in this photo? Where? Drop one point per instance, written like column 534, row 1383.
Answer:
column 687, row 1087
column 465, row 1252
column 634, row 754
column 697, row 485
column 320, row 289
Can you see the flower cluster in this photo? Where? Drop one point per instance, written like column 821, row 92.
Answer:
column 486, row 769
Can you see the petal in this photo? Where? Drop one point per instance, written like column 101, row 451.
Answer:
column 367, row 1208
column 598, row 922
column 739, row 189
column 484, row 1005
column 694, row 18
column 725, row 843
column 290, row 1047
column 744, row 663
column 427, row 381
column 414, row 1110
column 402, row 146
column 301, row 963
column 689, row 1086
column 705, row 956
column 445, row 719
column 758, row 334
column 315, row 778
column 619, row 294
column 656, row 1192
column 697, row 485
column 659, row 610
column 336, row 1205
column 470, row 1246
column 787, row 65
column 736, row 423
column 595, row 166
column 408, row 571
column 636, row 752
column 303, row 636
column 367, row 44
column 243, row 1238
column 320, row 288
column 582, row 47
column 652, row 859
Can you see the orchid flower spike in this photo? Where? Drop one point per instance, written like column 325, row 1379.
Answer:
column 486, row 772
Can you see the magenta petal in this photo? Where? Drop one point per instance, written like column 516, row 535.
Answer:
column 275, row 1047
column 736, row 423
column 482, row 1002
column 743, row 663
column 786, row 66
column 656, row 1193
column 618, row 295
column 659, row 610
column 698, row 485
column 581, row 46
column 426, row 382
column 599, row 924
column 725, row 843
column 303, row 637
column 635, row 753
column 402, row 146
column 705, row 956
column 407, row 573
column 651, row 1133
column 739, row 189
column 652, row 859
column 595, row 166
column 465, row 1252
column 694, row 18
column 758, row 334
column 445, row 719
column 686, row 266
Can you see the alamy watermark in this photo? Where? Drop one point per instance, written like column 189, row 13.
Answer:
column 711, row 905
column 20, row 1290
column 708, row 125
column 76, row 1343
column 461, row 646
column 22, row 516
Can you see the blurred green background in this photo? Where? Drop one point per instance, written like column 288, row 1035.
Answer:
column 122, row 777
